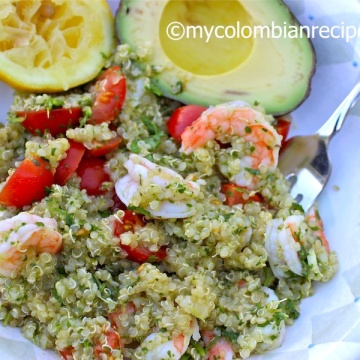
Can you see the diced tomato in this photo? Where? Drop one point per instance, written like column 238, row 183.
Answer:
column 110, row 92
column 113, row 317
column 242, row 283
column 112, row 341
column 56, row 121
column 129, row 222
column 67, row 353
column 101, row 149
column 282, row 126
column 181, row 118
column 69, row 165
column 28, row 183
column 140, row 254
column 93, row 175
column 234, row 195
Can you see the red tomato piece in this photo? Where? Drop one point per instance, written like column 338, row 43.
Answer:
column 234, row 195
column 28, row 183
column 110, row 92
column 112, row 341
column 67, row 353
column 129, row 222
column 140, row 254
column 181, row 118
column 102, row 149
column 113, row 317
column 69, row 165
column 93, row 175
column 56, row 121
column 282, row 126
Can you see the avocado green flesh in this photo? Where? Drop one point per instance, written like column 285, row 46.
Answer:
column 276, row 72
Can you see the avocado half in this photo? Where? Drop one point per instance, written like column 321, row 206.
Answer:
column 255, row 52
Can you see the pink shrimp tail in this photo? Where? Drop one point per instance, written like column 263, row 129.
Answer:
column 179, row 343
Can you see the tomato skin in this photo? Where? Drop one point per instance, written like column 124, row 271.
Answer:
column 129, row 222
column 56, row 121
column 234, row 195
column 139, row 254
column 110, row 92
column 101, row 149
column 67, row 353
column 282, row 126
column 181, row 118
column 28, row 183
column 112, row 341
column 113, row 317
column 69, row 165
column 92, row 173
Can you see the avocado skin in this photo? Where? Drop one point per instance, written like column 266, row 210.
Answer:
column 281, row 98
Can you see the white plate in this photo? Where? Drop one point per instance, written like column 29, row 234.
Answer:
column 329, row 325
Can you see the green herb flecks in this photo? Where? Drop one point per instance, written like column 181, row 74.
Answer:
column 152, row 141
column 53, row 103
column 248, row 129
column 227, row 216
column 134, row 147
column 150, row 125
column 253, row 171
column 69, row 219
column 280, row 316
column 230, row 335
column 290, row 308
column 86, row 112
column 6, row 318
column 139, row 210
column 296, row 206
column 151, row 86
column 56, row 295
column 13, row 117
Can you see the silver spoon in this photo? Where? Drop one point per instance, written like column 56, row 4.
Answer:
column 305, row 162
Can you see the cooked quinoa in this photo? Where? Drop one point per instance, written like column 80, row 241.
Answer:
column 216, row 272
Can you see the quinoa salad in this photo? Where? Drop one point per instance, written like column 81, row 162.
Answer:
column 147, row 238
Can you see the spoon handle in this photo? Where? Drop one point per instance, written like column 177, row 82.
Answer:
column 336, row 120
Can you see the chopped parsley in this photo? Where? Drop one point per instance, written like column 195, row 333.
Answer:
column 296, row 206
column 139, row 210
column 248, row 129
column 153, row 88
column 252, row 171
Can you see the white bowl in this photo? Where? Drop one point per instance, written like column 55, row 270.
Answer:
column 329, row 324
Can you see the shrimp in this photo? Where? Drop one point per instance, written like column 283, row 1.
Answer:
column 220, row 350
column 174, row 348
column 272, row 334
column 282, row 245
column 167, row 194
column 315, row 223
column 237, row 119
column 24, row 231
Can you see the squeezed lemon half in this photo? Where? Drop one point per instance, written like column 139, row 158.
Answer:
column 53, row 45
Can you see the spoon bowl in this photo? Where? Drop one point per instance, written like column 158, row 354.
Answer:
column 304, row 160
